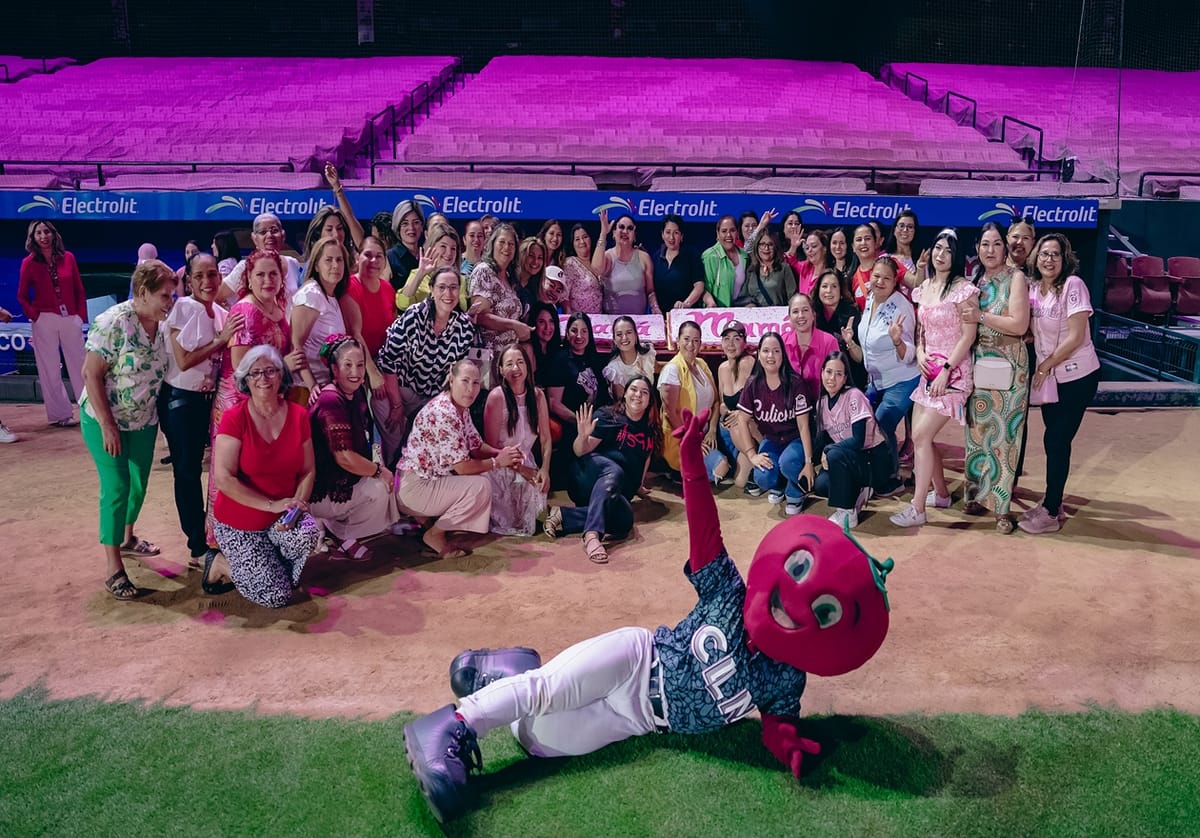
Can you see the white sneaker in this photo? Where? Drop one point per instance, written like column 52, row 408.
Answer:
column 845, row 518
column 908, row 517
column 6, row 435
column 775, row 496
column 793, row 508
column 937, row 501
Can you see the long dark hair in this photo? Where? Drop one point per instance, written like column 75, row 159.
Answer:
column 844, row 359
column 554, row 345
column 510, row 398
column 227, row 246
column 787, row 375
column 653, row 418
column 641, row 348
column 988, row 226
column 590, row 355
column 889, row 246
column 957, row 267
column 56, row 242
column 1070, row 262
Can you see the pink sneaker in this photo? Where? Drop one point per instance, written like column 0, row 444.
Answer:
column 1038, row 521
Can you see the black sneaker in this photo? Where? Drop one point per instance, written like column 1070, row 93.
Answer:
column 752, row 489
column 474, row 669
column 442, row 751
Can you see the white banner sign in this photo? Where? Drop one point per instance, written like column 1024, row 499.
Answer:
column 650, row 328
column 712, row 321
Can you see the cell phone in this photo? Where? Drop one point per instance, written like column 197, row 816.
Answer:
column 803, row 484
column 288, row 519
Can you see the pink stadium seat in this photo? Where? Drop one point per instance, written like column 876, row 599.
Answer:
column 1183, row 266
column 1117, row 266
column 1154, row 299
column 1147, row 265
column 1118, row 294
column 1188, row 302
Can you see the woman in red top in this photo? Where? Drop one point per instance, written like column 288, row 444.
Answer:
column 51, row 294
column 368, row 308
column 264, row 468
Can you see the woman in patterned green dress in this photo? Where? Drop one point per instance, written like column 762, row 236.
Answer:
column 996, row 417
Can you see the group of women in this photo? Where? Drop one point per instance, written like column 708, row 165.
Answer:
column 452, row 358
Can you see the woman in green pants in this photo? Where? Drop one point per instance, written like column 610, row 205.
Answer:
column 123, row 370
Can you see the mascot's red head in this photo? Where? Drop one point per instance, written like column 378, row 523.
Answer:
column 815, row 599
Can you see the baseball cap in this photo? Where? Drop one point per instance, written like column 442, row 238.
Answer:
column 734, row 326
column 555, row 274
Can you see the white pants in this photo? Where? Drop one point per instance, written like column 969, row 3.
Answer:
column 370, row 510
column 51, row 332
column 590, row 695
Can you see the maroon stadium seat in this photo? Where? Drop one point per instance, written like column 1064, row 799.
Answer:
column 1188, row 302
column 1118, row 294
column 1147, row 265
column 1155, row 297
column 1116, row 266
column 1183, row 266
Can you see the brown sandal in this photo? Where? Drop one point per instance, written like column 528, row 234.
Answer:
column 1004, row 524
column 119, row 587
column 594, row 549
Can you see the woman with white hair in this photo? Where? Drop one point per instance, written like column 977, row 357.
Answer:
column 264, row 468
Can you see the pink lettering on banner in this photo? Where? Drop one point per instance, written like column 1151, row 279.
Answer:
column 712, row 321
column 651, row 328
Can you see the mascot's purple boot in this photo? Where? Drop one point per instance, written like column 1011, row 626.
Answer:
column 442, row 751
column 474, row 669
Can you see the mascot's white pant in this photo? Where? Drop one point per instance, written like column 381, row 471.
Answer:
column 590, row 695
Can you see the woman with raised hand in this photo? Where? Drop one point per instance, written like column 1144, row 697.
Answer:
column 1000, row 399
column 418, row 351
column 50, row 291
column 352, row 233
column 769, row 279
column 445, row 463
column 854, row 455
column 774, row 402
column 317, row 309
column 625, row 271
column 793, row 240
column 614, row 446
column 330, row 223
column 630, row 356
column 724, row 266
column 817, row 260
column 835, row 312
column 127, row 359
column 585, row 292
column 516, row 415
column 1068, row 369
column 495, row 304
column 678, row 272
column 198, row 330
column 264, row 468
column 944, row 342
column 440, row 251
column 352, row 495
column 885, row 344
column 687, row 384
column 732, row 375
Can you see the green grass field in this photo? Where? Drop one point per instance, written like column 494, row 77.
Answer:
column 88, row 768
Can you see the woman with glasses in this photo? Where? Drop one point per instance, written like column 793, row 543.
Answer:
column 769, row 279
column 625, row 271
column 901, row 244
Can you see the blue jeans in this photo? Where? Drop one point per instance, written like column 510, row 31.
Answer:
column 787, row 463
column 185, row 415
column 600, row 505
column 891, row 406
column 725, row 452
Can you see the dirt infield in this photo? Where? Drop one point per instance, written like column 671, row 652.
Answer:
column 1102, row 613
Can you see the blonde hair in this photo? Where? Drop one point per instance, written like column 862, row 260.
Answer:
column 151, row 275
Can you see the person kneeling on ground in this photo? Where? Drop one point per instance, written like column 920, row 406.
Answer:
column 614, row 447
column 445, row 462
column 352, row 496
column 265, row 469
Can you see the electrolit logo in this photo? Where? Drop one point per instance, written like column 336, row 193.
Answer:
column 39, row 202
column 1001, row 210
column 226, row 202
column 812, row 205
column 1088, row 213
column 616, row 203
column 427, row 203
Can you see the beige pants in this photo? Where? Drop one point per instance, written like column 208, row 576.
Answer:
column 50, row 332
column 370, row 510
column 459, row 502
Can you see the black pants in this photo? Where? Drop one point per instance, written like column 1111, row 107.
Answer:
column 850, row 471
column 1063, row 419
column 184, row 416
column 600, row 505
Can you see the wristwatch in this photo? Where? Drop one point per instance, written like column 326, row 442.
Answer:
column 981, row 314
column 946, row 365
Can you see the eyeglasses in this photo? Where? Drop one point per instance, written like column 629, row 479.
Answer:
column 624, row 226
column 269, row 372
column 905, row 227
column 270, row 231
column 1050, row 255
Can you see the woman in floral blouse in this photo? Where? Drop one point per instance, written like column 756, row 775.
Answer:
column 126, row 362
column 445, row 461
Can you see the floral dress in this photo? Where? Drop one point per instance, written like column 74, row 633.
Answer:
column 505, row 303
column 941, row 327
column 996, row 418
column 516, row 503
column 585, row 292
column 137, row 365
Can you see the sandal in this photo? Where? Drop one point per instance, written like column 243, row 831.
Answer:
column 350, row 550
column 974, row 507
column 553, row 524
column 209, row 587
column 1004, row 524
column 594, row 549
column 119, row 586
column 449, row 553
column 139, row 548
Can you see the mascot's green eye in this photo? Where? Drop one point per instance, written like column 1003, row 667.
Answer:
column 827, row 610
column 799, row 565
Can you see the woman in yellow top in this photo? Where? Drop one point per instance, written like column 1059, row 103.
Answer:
column 441, row 250
column 686, row 383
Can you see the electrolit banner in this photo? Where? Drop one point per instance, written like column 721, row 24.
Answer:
column 818, row 210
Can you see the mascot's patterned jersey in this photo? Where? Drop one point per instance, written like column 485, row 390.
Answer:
column 710, row 677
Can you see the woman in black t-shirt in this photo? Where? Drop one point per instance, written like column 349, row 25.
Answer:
column 614, row 447
column 575, row 378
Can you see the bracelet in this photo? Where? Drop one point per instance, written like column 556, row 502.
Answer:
column 493, row 463
column 982, row 315
column 378, row 470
